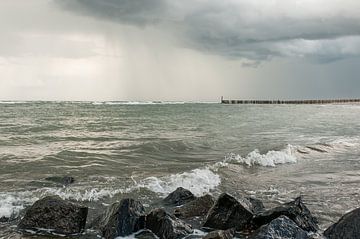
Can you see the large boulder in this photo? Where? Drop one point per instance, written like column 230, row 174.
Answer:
column 4, row 219
column 281, row 227
column 347, row 227
column 166, row 226
column 220, row 234
column 227, row 212
column 295, row 210
column 123, row 219
column 179, row 197
column 198, row 207
column 55, row 215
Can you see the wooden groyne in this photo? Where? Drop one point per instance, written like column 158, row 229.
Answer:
column 297, row 102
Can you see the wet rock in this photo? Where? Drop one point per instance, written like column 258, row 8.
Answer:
column 347, row 227
column 4, row 219
column 256, row 205
column 55, row 215
column 228, row 213
column 179, row 197
column 281, row 227
column 220, row 234
column 198, row 207
column 146, row 234
column 295, row 210
column 64, row 180
column 123, row 219
column 166, row 226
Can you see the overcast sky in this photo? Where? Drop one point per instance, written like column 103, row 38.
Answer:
column 193, row 50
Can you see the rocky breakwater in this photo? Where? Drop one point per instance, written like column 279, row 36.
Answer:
column 185, row 215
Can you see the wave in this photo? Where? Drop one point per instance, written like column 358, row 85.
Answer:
column 199, row 181
column 12, row 204
column 269, row 159
column 291, row 154
column 13, row 102
column 137, row 102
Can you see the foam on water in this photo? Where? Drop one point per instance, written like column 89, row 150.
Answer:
column 199, row 181
column 12, row 204
column 269, row 159
column 291, row 154
column 81, row 194
column 197, row 233
column 137, row 102
column 13, row 102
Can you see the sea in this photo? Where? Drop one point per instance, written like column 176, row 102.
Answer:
column 145, row 150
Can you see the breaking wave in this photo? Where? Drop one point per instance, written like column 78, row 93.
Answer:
column 137, row 102
column 269, row 159
column 199, row 181
column 291, row 154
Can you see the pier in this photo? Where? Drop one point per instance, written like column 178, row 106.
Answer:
column 296, row 102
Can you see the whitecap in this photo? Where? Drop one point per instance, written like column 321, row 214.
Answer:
column 269, row 159
column 198, row 181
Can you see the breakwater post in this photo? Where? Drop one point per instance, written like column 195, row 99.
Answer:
column 320, row 102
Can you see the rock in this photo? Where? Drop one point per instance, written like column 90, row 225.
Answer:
column 256, row 205
column 123, row 219
column 146, row 234
column 295, row 210
column 64, row 180
column 4, row 219
column 228, row 213
column 166, row 226
column 53, row 213
column 220, row 234
column 179, row 197
column 198, row 207
column 347, row 227
column 281, row 227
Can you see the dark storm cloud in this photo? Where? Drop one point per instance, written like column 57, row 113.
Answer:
column 250, row 30
column 139, row 12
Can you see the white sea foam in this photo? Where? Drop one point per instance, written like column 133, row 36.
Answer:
column 13, row 102
column 12, row 204
column 198, row 181
column 137, row 102
column 269, row 159
column 80, row 194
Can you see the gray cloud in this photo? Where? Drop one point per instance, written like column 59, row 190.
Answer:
column 252, row 30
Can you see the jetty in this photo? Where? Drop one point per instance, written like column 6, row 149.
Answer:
column 296, row 102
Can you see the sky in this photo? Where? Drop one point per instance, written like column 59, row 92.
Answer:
column 179, row 50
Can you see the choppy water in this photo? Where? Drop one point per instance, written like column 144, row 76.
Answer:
column 116, row 150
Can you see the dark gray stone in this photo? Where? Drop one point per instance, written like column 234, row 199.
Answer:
column 295, row 210
column 348, row 226
column 228, row 213
column 123, row 219
column 4, row 219
column 64, row 180
column 198, row 207
column 166, row 226
column 256, row 205
column 220, row 234
column 281, row 227
column 179, row 197
column 56, row 215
